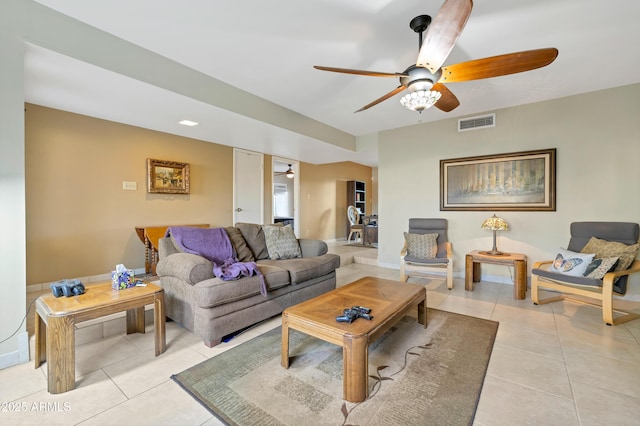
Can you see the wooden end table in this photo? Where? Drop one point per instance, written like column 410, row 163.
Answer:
column 517, row 260
column 56, row 318
column 389, row 302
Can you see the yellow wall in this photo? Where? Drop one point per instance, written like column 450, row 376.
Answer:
column 323, row 198
column 80, row 222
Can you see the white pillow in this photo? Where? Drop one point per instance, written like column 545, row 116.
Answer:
column 571, row 263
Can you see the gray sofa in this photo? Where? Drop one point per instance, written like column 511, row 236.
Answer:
column 212, row 308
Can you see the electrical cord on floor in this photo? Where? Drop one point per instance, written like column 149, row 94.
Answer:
column 21, row 322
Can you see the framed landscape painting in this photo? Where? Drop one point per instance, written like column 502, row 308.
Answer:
column 168, row 177
column 517, row 181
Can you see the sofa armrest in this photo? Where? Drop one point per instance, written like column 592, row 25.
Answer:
column 190, row 268
column 312, row 248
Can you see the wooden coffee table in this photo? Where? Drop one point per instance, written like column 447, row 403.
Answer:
column 56, row 319
column 389, row 302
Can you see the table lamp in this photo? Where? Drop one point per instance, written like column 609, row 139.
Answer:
column 495, row 224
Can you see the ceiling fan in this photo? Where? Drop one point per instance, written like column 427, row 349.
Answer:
column 289, row 173
column 425, row 80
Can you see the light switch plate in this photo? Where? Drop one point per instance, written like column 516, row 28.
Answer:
column 130, row 186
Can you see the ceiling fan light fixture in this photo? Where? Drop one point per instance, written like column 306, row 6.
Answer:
column 420, row 99
column 289, row 173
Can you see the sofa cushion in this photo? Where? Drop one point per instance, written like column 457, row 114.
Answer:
column 254, row 236
column 421, row 246
column 603, row 248
column 599, row 267
column 306, row 268
column 215, row 292
column 571, row 263
column 243, row 252
column 281, row 242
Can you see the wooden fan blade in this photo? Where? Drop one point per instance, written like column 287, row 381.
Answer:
column 443, row 33
column 383, row 98
column 496, row 66
column 361, row 72
column 448, row 100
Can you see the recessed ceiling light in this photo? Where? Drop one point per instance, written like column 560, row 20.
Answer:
column 188, row 123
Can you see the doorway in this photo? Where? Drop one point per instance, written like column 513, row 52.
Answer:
column 285, row 193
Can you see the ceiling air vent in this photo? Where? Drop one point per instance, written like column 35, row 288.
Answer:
column 479, row 122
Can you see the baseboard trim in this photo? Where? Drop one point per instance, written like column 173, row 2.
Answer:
column 19, row 356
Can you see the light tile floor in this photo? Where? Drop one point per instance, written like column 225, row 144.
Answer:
column 555, row 364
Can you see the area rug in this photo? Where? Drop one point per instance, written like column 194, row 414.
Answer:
column 417, row 376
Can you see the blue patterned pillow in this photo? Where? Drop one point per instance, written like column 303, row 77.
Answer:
column 281, row 242
column 421, row 246
column 571, row 263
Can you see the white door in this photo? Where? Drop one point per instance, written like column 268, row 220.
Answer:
column 248, row 184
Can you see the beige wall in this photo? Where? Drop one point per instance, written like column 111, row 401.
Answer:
column 80, row 222
column 323, row 198
column 597, row 140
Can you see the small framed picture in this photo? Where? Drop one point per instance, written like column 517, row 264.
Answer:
column 168, row 177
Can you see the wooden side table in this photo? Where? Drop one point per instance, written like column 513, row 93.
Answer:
column 56, row 319
column 517, row 260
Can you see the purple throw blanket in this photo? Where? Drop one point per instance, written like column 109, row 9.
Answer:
column 214, row 244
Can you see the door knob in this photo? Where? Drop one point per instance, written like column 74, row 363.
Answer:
column 238, row 209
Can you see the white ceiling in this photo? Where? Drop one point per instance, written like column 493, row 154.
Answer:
column 268, row 48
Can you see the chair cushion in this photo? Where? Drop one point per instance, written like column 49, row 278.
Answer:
column 571, row 263
column 603, row 248
column 281, row 242
column 571, row 279
column 426, row 262
column 599, row 267
column 619, row 286
column 421, row 246
column 622, row 232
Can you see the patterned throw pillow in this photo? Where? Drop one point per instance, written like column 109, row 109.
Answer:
column 571, row 263
column 281, row 242
column 599, row 267
column 421, row 246
column 604, row 248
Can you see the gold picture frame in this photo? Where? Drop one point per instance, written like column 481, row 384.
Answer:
column 516, row 181
column 167, row 177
